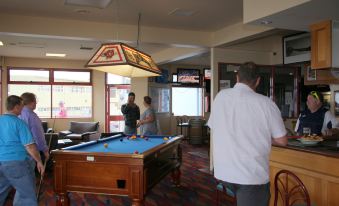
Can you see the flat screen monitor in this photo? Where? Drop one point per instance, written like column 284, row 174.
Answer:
column 189, row 76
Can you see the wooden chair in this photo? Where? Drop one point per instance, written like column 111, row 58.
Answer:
column 225, row 193
column 290, row 189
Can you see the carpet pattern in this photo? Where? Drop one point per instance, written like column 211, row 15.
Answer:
column 197, row 187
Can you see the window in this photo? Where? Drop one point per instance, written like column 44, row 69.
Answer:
column 116, row 79
column 24, row 75
column 43, row 93
column 72, row 101
column 72, row 76
column 65, row 94
column 160, row 99
column 187, row 101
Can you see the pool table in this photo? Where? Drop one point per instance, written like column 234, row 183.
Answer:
column 117, row 165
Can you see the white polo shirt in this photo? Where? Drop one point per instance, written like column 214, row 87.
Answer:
column 243, row 123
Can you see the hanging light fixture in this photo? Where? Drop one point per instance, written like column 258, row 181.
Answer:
column 122, row 59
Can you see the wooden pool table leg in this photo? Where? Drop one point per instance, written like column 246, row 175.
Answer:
column 62, row 199
column 176, row 177
column 137, row 202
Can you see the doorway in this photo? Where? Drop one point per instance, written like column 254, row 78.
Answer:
column 116, row 95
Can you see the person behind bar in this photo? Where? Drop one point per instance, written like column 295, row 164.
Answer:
column 16, row 144
column 131, row 114
column 316, row 119
column 244, row 125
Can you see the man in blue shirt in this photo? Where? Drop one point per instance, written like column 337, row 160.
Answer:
column 16, row 144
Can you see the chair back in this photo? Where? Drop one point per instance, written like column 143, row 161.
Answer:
column 82, row 127
column 289, row 189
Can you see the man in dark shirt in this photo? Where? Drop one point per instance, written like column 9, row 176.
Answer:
column 131, row 114
column 316, row 119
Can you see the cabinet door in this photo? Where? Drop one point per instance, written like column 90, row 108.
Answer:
column 321, row 45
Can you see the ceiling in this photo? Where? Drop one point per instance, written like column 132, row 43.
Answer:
column 207, row 16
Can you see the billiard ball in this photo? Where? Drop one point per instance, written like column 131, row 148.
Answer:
column 136, row 152
column 121, row 139
column 105, row 145
column 146, row 138
column 142, row 136
column 165, row 138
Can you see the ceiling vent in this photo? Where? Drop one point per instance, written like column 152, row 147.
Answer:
column 86, row 48
column 29, row 45
column 181, row 12
column 100, row 4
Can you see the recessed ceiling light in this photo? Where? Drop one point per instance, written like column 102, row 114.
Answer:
column 1, row 44
column 55, row 55
column 101, row 4
column 265, row 22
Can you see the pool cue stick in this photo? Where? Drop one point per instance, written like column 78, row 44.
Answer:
column 45, row 163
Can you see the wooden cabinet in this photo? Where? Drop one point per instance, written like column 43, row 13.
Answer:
column 324, row 45
column 319, row 173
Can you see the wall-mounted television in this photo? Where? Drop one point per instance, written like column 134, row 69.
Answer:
column 188, row 76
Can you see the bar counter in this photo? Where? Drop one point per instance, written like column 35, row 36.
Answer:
column 316, row 166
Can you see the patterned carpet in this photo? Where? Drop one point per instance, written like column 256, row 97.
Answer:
column 197, row 187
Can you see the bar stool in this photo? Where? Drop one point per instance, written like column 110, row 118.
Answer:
column 290, row 189
column 179, row 127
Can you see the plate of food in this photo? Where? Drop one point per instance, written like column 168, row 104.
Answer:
column 310, row 139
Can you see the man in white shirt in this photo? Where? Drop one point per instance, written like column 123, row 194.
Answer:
column 244, row 125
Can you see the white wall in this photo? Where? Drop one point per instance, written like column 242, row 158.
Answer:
column 260, row 8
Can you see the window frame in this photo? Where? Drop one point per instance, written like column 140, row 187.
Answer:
column 51, row 82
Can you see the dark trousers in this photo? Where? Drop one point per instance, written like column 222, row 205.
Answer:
column 251, row 195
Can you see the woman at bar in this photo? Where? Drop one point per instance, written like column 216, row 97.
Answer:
column 147, row 122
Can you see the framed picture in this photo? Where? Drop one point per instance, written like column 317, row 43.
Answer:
column 224, row 84
column 311, row 74
column 297, row 48
column 336, row 103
